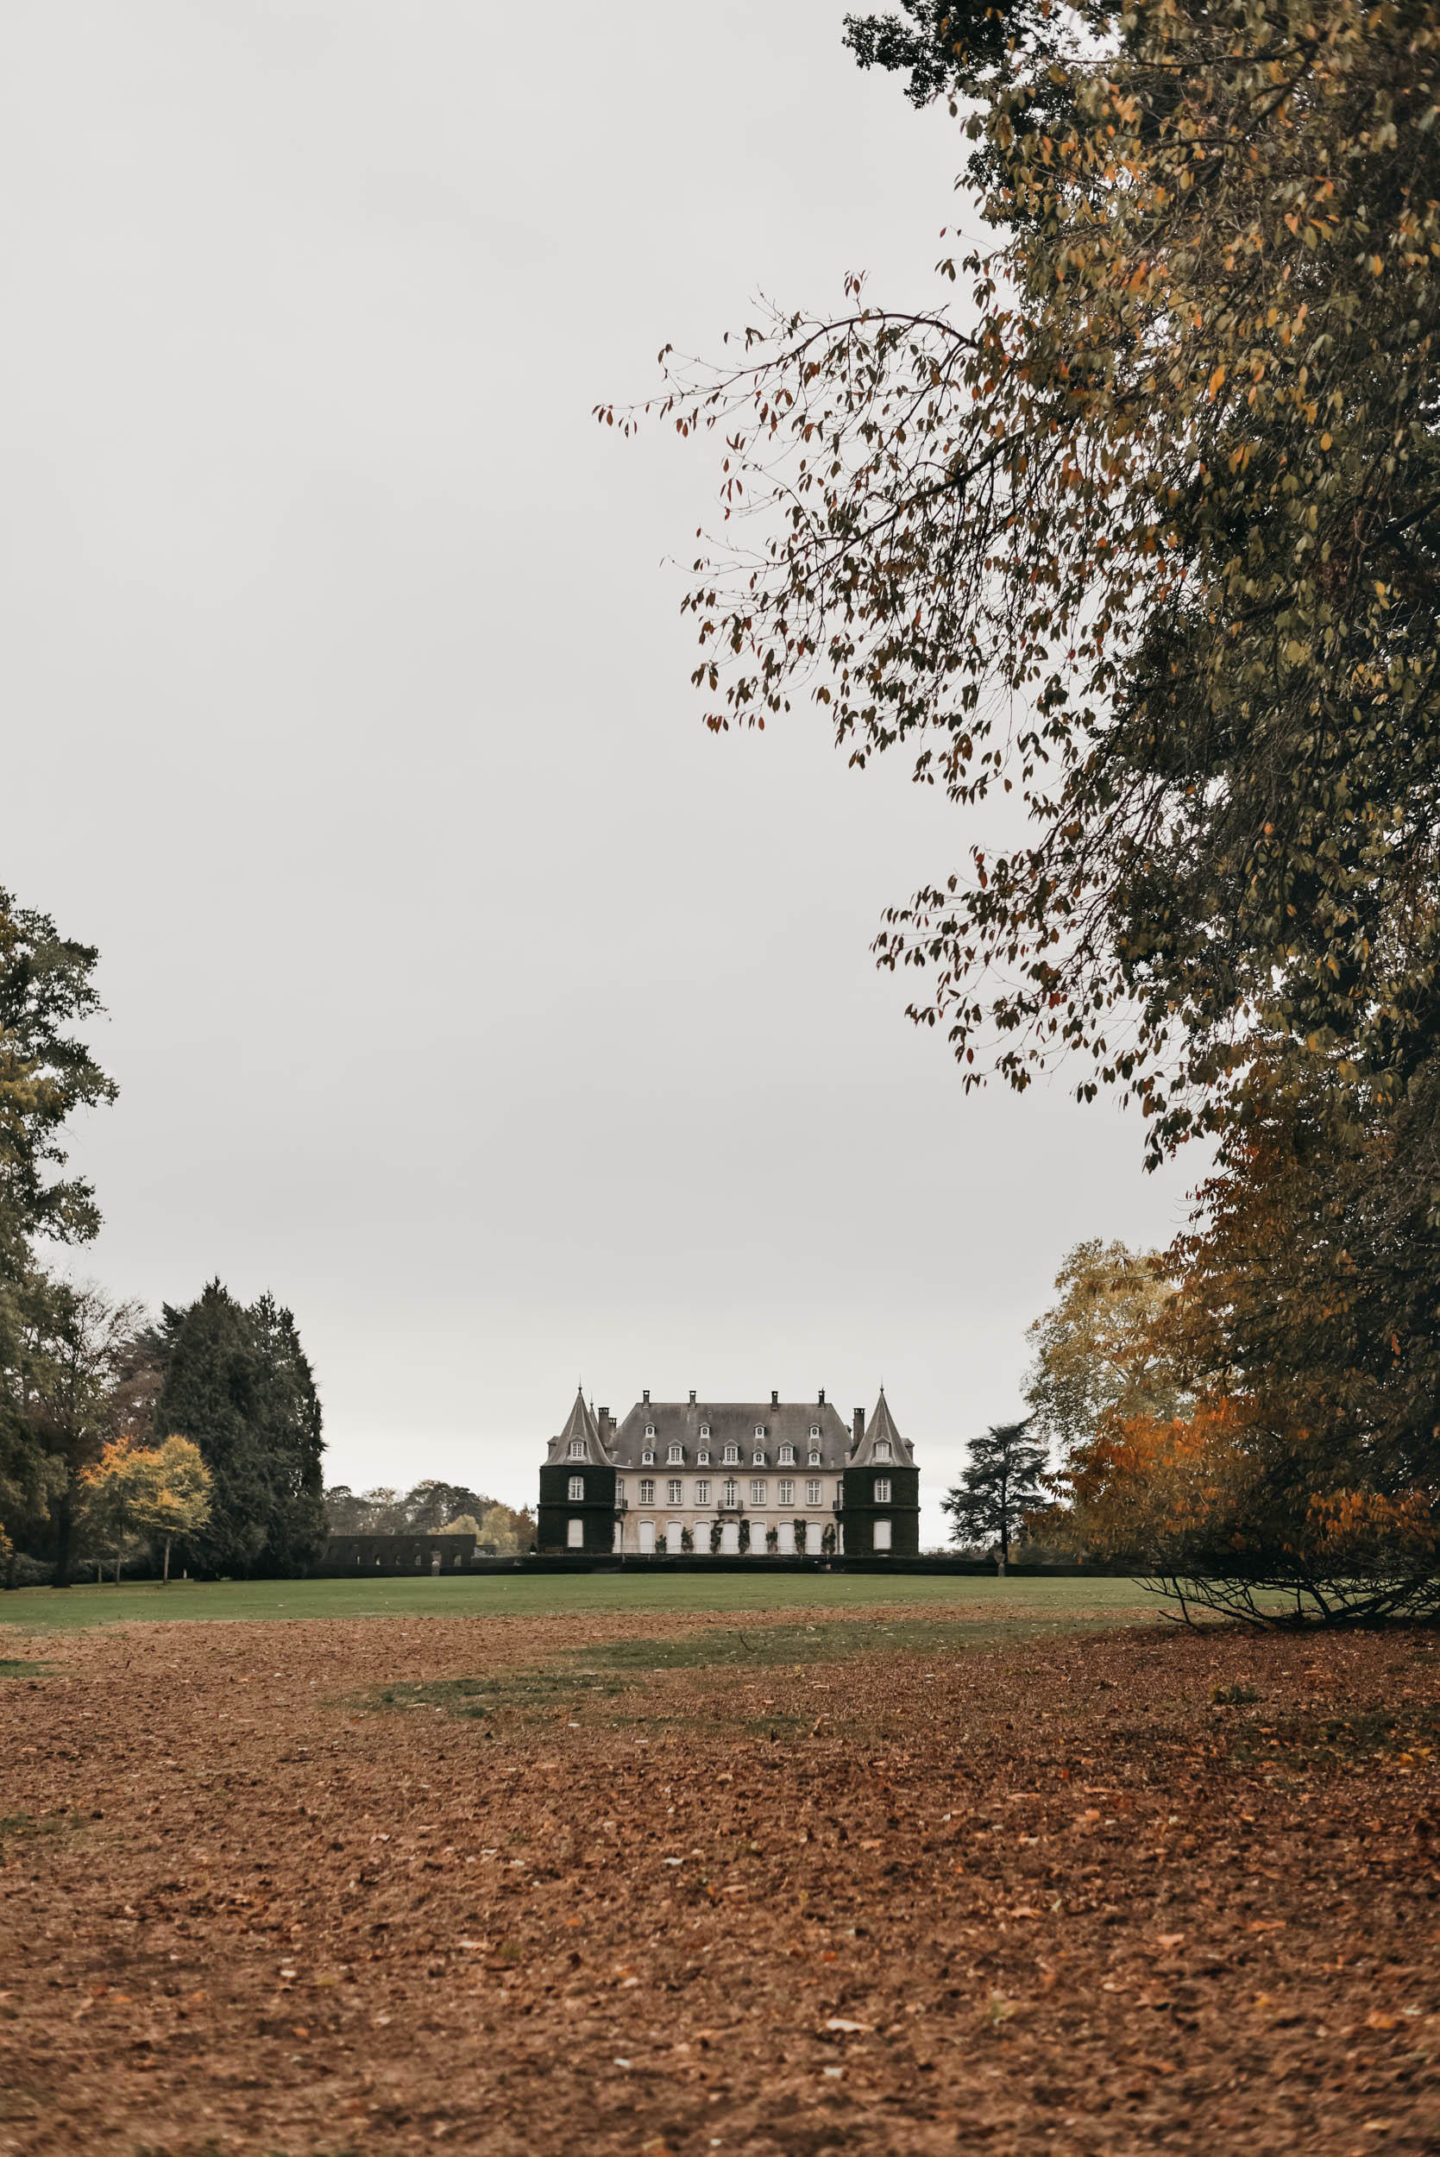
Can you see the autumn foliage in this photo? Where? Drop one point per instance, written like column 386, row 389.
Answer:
column 1305, row 1457
column 148, row 1492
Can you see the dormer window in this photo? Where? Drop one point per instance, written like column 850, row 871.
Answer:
column 759, row 1432
column 786, row 1456
column 647, row 1458
column 702, row 1458
column 758, row 1457
column 577, row 1449
column 732, row 1456
column 675, row 1455
column 882, row 1449
column 814, row 1432
column 704, row 1430
column 814, row 1456
column 649, row 1430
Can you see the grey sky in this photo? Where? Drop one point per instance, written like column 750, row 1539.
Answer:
column 463, row 989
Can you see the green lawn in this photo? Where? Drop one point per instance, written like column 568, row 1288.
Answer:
column 46, row 1610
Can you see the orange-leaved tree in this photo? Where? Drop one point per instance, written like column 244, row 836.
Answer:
column 1303, row 1474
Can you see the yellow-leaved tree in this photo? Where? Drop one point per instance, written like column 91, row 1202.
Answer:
column 147, row 1491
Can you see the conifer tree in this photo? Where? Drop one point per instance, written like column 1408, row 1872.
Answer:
column 238, row 1382
column 1004, row 1480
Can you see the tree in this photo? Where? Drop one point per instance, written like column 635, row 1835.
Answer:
column 369, row 1512
column 46, row 1073
column 1096, row 1348
column 422, row 1509
column 1150, row 535
column 463, row 1524
column 1004, row 1480
column 237, row 1381
column 1303, row 1477
column 160, row 1491
column 506, row 1530
column 291, row 1424
column 83, row 1393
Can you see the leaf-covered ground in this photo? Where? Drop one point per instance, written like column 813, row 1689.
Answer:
column 803, row 1885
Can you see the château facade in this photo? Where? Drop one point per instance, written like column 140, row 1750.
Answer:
column 730, row 1479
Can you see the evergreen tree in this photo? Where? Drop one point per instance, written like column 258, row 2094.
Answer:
column 1005, row 1480
column 238, row 1382
column 290, row 1420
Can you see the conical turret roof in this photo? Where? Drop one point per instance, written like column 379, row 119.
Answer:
column 882, row 1429
column 580, row 1428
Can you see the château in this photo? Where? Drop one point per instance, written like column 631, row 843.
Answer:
column 730, row 1479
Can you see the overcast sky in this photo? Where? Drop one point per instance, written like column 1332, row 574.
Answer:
column 462, row 988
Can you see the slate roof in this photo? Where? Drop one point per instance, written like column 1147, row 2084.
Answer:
column 613, row 1445
column 882, row 1425
column 580, row 1423
column 730, row 1422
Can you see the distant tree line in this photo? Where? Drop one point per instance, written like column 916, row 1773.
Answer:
column 430, row 1508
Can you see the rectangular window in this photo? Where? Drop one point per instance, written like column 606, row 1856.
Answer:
column 702, row 1491
column 787, row 1493
column 675, row 1455
column 757, row 1491
column 575, row 1535
column 882, row 1535
column 577, row 1489
column 672, row 1491
column 619, row 1488
column 839, row 1496
column 786, row 1456
column 882, row 1490
column 812, row 1491
column 732, row 1456
column 731, row 1495
column 647, row 1490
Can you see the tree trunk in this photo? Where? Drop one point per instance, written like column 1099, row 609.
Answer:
column 165, row 1576
column 1000, row 1561
column 64, row 1539
column 117, row 1567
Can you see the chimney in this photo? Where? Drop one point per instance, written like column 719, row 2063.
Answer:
column 692, row 1396
column 859, row 1421
column 774, row 1400
column 645, row 1396
column 822, row 1396
column 604, row 1417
